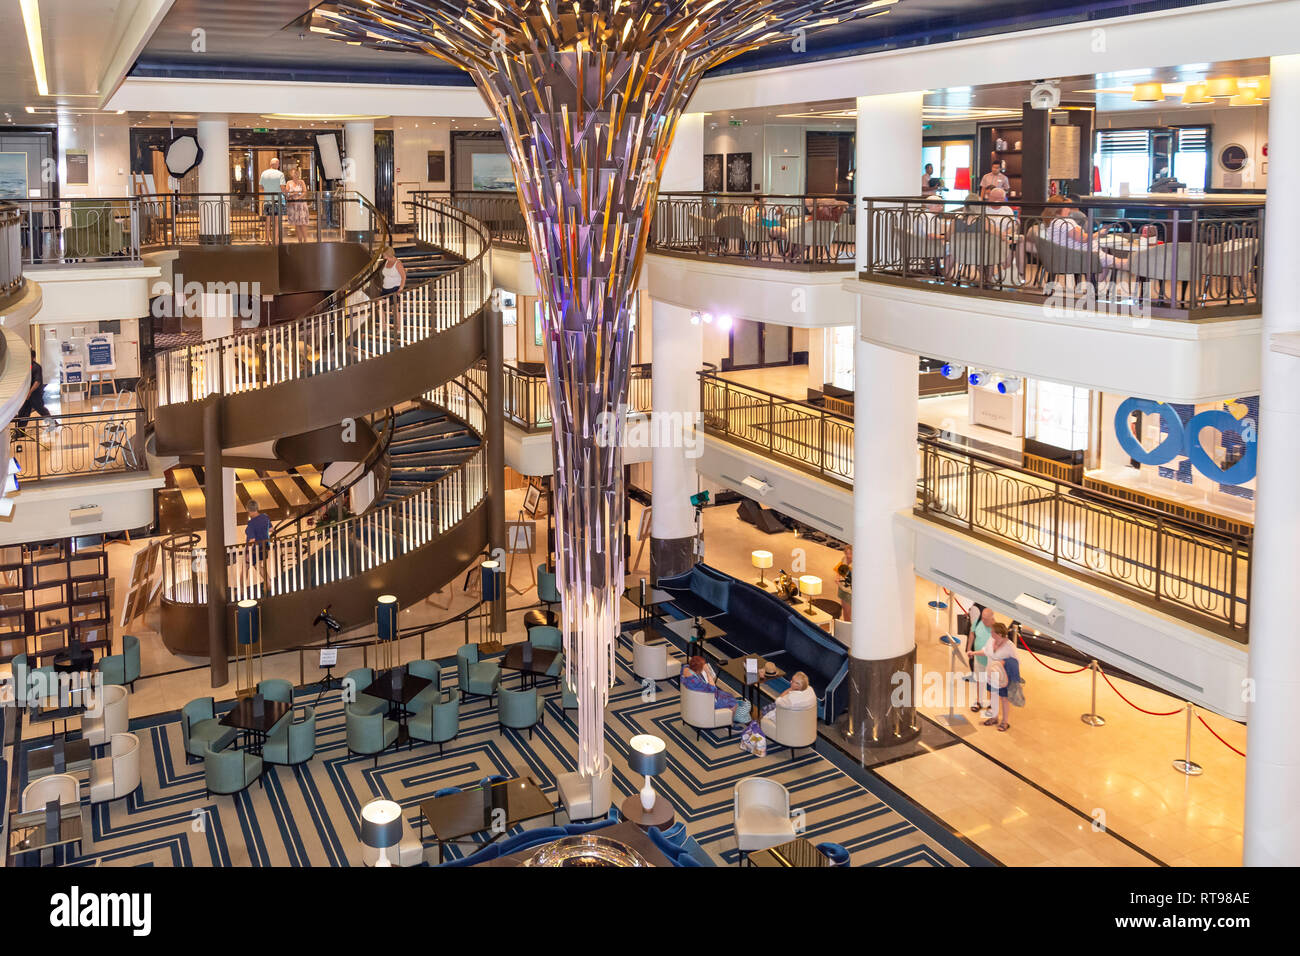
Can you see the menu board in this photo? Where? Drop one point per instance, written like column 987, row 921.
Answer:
column 1063, row 152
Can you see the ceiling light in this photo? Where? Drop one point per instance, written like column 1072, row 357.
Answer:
column 1148, row 93
column 1247, row 97
column 32, row 21
column 1223, row 86
column 1263, row 88
column 1196, row 95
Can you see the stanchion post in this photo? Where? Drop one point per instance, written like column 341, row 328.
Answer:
column 1186, row 764
column 1092, row 718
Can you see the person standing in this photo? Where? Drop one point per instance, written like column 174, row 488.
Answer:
column 844, row 571
column 393, row 277
column 257, row 534
column 995, row 178
column 35, row 401
column 271, row 184
column 981, row 632
column 1003, row 668
column 295, row 193
column 930, row 183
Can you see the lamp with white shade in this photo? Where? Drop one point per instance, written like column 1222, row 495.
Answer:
column 381, row 828
column 810, row 585
column 649, row 757
column 761, row 560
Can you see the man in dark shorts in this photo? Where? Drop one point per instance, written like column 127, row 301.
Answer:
column 257, row 533
column 36, row 394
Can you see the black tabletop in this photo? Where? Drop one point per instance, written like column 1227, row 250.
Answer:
column 382, row 687
column 241, row 716
column 472, row 811
column 798, row 852
column 540, row 662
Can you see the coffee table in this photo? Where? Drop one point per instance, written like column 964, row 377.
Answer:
column 27, row 833
column 398, row 697
column 533, row 666
column 41, row 761
column 831, row 607
column 798, row 852
column 495, row 809
column 736, row 668
column 254, row 727
column 658, row 817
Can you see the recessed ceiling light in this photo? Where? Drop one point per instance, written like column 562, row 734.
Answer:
column 35, row 43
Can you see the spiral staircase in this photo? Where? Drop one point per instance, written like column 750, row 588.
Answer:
column 406, row 368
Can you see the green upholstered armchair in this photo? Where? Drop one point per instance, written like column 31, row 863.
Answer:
column 432, row 671
column 437, row 723
column 276, row 689
column 290, row 743
column 361, row 678
column 92, row 230
column 520, row 709
column 568, row 695
column 230, row 771
column 547, row 592
column 123, row 668
column 481, row 678
column 31, row 684
column 201, row 730
column 369, row 734
column 550, row 639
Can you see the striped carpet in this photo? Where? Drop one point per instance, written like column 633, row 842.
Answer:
column 309, row 815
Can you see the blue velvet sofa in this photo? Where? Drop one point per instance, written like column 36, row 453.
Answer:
column 762, row 624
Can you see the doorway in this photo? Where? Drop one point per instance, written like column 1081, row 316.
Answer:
column 758, row 345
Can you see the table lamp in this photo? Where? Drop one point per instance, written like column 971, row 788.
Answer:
column 381, row 827
column 648, row 757
column 761, row 560
column 810, row 585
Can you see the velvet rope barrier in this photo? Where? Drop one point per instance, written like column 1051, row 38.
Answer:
column 1153, row 713
column 1239, row 753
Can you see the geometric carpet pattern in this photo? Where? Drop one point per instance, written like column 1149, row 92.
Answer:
column 309, row 815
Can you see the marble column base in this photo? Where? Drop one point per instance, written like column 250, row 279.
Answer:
column 670, row 556
column 882, row 711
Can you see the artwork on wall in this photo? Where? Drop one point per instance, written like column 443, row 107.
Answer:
column 437, row 166
column 13, row 175
column 713, row 172
column 740, row 169
column 491, row 172
column 1180, row 432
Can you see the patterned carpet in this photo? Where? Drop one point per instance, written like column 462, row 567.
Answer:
column 309, row 815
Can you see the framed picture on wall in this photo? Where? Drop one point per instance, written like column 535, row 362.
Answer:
column 740, row 172
column 13, row 175
column 437, row 166
column 491, row 172
column 713, row 172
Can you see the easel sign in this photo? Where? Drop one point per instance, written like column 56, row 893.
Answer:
column 521, row 538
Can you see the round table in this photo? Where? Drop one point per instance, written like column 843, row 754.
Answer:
column 658, row 817
column 74, row 660
column 832, row 607
column 539, row 618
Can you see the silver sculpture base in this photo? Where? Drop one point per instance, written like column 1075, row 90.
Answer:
column 586, row 850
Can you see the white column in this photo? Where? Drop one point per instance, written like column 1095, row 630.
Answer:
column 1272, row 826
column 677, row 348
column 883, row 644
column 359, row 172
column 214, row 175
column 218, row 321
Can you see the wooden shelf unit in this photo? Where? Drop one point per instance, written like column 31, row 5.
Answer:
column 1011, row 157
column 51, row 591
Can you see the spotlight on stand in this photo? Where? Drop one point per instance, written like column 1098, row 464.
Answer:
column 1009, row 385
column 332, row 626
column 953, row 372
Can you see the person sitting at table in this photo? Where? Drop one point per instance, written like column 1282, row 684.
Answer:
column 698, row 675
column 798, row 696
column 1061, row 229
column 998, row 207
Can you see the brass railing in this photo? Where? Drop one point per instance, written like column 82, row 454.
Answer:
column 795, row 232
column 11, row 250
column 499, row 212
column 79, row 443
column 1134, row 258
column 528, row 399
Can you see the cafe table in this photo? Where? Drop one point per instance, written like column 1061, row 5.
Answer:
column 493, row 809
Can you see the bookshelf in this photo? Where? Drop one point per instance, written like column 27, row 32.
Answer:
column 51, row 592
column 1012, row 156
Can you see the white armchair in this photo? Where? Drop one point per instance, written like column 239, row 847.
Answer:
column 99, row 729
column 62, row 787
column 652, row 661
column 762, row 814
column 791, row 728
column 587, row 797
column 118, row 774
column 408, row 852
column 701, row 712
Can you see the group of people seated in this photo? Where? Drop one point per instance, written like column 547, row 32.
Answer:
column 698, row 674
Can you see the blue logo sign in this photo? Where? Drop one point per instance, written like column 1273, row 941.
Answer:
column 1183, row 439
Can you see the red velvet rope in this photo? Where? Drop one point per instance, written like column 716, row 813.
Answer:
column 1218, row 738
column 1153, row 713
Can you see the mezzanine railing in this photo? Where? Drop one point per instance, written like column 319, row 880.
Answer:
column 11, row 250
column 499, row 212
column 797, row 232
column 72, row 444
column 1177, row 564
column 1166, row 257
column 528, row 399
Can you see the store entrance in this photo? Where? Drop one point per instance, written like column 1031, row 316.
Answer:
column 758, row 345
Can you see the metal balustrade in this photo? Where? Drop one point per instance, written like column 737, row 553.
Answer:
column 71, row 444
column 1133, row 258
column 11, row 250
column 344, row 335
column 499, row 212
column 337, row 551
column 1176, row 564
column 527, row 397
column 808, row 232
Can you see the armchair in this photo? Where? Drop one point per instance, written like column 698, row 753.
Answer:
column 369, row 734
column 762, row 814
column 291, row 743
column 587, row 797
column 31, row 684
column 438, row 722
column 568, row 695
column 123, row 668
column 201, row 730
column 431, row 671
column 699, row 710
column 520, row 709
column 480, row 678
column 118, row 774
column 547, row 592
column 652, row 661
column 99, row 729
column 791, row 728
column 62, row 787
column 550, row 639
column 276, row 689
column 229, row 772
column 361, row 678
